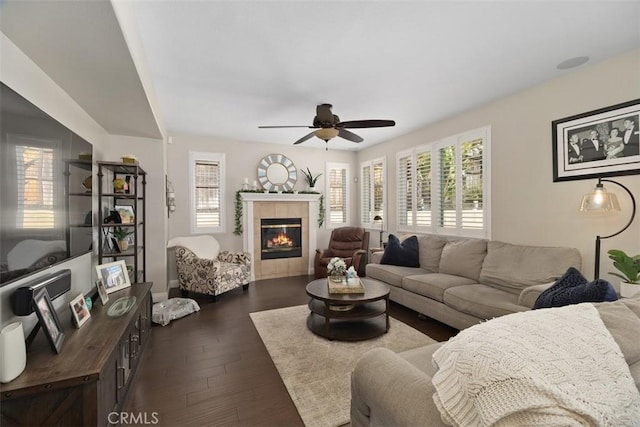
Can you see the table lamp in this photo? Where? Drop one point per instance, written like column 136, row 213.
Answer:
column 379, row 218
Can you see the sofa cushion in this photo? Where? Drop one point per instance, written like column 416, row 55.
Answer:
column 573, row 288
column 482, row 301
column 463, row 258
column 391, row 274
column 624, row 324
column 430, row 251
column 514, row 267
column 421, row 357
column 433, row 285
column 403, row 253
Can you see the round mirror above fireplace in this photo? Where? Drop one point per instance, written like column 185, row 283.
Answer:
column 276, row 172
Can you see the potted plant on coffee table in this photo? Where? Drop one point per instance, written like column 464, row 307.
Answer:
column 629, row 266
column 121, row 234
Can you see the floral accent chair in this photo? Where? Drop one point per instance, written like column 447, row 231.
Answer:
column 203, row 269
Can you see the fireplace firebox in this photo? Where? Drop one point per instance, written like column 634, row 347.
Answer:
column 280, row 238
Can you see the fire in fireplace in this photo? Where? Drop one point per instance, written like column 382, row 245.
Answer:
column 280, row 238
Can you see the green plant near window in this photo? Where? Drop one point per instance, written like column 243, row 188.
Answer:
column 629, row 266
column 121, row 233
column 308, row 176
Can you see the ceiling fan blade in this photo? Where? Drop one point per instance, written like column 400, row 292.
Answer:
column 304, row 138
column 324, row 114
column 350, row 136
column 278, row 127
column 355, row 124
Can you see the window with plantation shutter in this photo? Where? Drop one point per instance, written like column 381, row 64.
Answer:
column 207, row 192
column 372, row 191
column 35, row 177
column 443, row 187
column 337, row 191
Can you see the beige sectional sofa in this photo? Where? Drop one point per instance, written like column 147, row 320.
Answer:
column 389, row 389
column 462, row 281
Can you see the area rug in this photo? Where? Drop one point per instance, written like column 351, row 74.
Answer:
column 316, row 371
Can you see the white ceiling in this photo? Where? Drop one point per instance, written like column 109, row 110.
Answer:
column 222, row 68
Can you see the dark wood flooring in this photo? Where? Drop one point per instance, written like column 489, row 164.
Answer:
column 212, row 369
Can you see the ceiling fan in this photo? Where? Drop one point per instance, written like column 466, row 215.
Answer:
column 328, row 126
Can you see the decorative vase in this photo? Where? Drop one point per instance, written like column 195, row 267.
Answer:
column 312, row 188
column 628, row 290
column 13, row 352
column 123, row 245
column 336, row 277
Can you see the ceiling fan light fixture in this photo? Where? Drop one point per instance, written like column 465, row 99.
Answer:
column 326, row 134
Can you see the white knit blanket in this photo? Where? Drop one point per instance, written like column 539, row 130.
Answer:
column 557, row 366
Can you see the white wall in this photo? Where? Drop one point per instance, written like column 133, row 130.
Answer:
column 241, row 160
column 22, row 75
column 527, row 206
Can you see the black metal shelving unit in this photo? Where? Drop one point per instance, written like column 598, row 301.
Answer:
column 108, row 198
column 76, row 193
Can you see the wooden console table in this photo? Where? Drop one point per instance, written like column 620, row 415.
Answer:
column 92, row 374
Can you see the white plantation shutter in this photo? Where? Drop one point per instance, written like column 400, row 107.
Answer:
column 207, row 172
column 472, row 189
column 372, row 191
column 423, row 189
column 444, row 187
column 365, row 192
column 35, row 191
column 405, row 189
column 337, row 210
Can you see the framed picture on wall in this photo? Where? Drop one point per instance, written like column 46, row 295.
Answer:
column 597, row 143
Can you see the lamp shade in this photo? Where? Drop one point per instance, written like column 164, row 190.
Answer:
column 599, row 200
column 326, row 133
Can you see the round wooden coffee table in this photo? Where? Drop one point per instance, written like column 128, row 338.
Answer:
column 348, row 317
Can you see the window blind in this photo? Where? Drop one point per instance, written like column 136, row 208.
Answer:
column 207, row 194
column 337, row 191
column 35, row 187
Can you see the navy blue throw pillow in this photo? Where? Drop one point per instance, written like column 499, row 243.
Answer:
column 404, row 254
column 574, row 288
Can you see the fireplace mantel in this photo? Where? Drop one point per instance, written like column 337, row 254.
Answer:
column 249, row 231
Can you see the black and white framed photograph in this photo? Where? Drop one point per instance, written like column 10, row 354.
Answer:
column 48, row 319
column 598, row 143
column 102, row 292
column 79, row 310
column 114, row 276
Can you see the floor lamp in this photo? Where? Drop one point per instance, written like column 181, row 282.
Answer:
column 601, row 201
column 379, row 218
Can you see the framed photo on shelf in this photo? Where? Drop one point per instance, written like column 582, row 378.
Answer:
column 127, row 214
column 597, row 143
column 113, row 275
column 48, row 319
column 102, row 291
column 80, row 310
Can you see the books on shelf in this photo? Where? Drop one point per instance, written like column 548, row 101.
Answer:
column 346, row 286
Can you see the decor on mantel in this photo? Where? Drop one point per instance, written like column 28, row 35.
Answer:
column 311, row 180
column 601, row 201
column 238, row 211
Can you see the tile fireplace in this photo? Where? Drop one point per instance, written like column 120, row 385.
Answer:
column 280, row 238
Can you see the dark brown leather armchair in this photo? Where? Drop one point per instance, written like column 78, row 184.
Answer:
column 348, row 243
